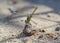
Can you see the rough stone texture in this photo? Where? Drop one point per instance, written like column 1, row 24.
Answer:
column 11, row 31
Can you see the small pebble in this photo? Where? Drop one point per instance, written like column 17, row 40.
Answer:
column 12, row 35
column 48, row 15
column 40, row 36
column 55, row 38
column 42, row 30
column 57, row 29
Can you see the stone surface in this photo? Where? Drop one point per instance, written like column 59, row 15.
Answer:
column 9, row 31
